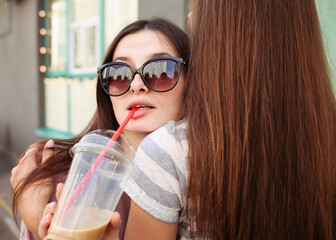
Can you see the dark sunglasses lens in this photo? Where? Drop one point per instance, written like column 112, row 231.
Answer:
column 116, row 79
column 161, row 75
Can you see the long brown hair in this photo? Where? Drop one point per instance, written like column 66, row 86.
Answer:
column 262, row 122
column 104, row 117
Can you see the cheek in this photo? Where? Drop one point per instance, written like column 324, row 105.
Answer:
column 113, row 103
column 116, row 106
column 178, row 105
column 180, row 91
column 176, row 97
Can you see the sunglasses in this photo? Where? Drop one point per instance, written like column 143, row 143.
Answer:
column 159, row 74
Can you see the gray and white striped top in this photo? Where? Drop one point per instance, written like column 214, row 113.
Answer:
column 160, row 182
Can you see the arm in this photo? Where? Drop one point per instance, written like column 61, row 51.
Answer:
column 156, row 189
column 141, row 225
column 35, row 197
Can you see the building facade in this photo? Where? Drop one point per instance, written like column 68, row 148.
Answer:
column 49, row 52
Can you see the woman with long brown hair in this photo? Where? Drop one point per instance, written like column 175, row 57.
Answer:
column 142, row 50
column 255, row 157
column 261, row 130
column 262, row 122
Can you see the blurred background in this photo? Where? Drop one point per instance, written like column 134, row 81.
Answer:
column 49, row 52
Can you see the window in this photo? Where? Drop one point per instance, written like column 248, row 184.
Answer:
column 76, row 34
column 56, row 37
column 84, row 36
column 327, row 15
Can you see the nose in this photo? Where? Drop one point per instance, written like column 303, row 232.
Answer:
column 138, row 85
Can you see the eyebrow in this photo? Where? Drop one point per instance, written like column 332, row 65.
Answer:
column 159, row 54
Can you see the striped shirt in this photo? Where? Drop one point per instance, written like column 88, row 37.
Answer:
column 160, row 183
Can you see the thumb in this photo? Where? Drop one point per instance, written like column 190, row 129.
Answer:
column 48, row 150
column 59, row 190
column 112, row 231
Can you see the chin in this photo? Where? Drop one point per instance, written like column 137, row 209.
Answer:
column 143, row 126
column 141, row 129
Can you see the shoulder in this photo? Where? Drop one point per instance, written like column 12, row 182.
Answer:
column 160, row 179
column 163, row 153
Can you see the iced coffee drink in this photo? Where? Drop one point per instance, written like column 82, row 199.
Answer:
column 91, row 226
column 92, row 188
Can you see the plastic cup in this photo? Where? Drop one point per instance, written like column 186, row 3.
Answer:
column 86, row 216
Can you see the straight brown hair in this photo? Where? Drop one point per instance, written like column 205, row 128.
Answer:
column 262, row 122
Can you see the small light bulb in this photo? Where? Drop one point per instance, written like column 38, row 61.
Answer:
column 43, row 69
column 43, row 50
column 42, row 13
column 43, row 31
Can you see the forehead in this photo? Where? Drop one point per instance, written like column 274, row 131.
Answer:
column 144, row 43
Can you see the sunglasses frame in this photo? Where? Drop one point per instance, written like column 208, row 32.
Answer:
column 178, row 61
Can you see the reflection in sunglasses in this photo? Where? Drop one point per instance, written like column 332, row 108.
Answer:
column 159, row 74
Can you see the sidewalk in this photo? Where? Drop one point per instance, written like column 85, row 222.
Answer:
column 8, row 228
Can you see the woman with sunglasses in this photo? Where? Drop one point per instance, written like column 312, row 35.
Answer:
column 261, row 129
column 144, row 67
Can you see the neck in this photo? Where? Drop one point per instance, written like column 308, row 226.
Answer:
column 134, row 137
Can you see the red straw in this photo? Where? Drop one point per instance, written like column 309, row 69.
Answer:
column 96, row 163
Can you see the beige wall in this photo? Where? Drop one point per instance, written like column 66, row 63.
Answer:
column 149, row 8
column 19, row 98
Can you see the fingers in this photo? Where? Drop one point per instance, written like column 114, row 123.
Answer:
column 14, row 169
column 59, row 190
column 48, row 150
column 26, row 164
column 30, row 160
column 46, row 219
column 112, row 231
column 32, row 154
column 13, row 172
column 44, row 225
column 115, row 220
column 50, row 208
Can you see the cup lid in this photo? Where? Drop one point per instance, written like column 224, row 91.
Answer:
column 96, row 141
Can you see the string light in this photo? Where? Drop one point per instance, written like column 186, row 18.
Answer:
column 43, row 68
column 60, row 80
column 93, row 81
column 70, row 82
column 47, row 80
column 43, row 50
column 43, row 31
column 42, row 13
